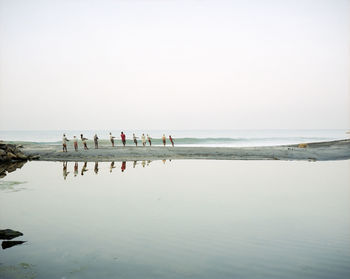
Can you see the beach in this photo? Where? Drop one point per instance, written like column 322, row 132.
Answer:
column 318, row 151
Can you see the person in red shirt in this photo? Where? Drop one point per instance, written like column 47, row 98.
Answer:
column 122, row 135
column 171, row 140
column 163, row 139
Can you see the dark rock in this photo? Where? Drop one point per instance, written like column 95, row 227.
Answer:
column 9, row 234
column 34, row 157
column 11, row 152
column 9, row 244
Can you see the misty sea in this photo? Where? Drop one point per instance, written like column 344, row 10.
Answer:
column 219, row 138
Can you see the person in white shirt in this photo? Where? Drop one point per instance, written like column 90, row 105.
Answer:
column 64, row 143
column 84, row 141
column 143, row 138
column 112, row 139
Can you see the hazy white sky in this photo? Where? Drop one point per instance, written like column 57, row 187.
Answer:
column 174, row 64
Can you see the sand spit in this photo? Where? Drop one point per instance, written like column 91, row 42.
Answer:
column 320, row 151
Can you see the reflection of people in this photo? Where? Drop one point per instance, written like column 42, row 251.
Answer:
column 143, row 163
column 171, row 140
column 149, row 140
column 134, row 164
column 96, row 141
column 96, row 167
column 111, row 167
column 123, row 166
column 64, row 143
column 84, row 141
column 122, row 135
column 143, row 138
column 84, row 168
column 112, row 139
column 164, row 140
column 65, row 173
column 75, row 142
column 135, row 139
column 148, row 162
column 75, row 169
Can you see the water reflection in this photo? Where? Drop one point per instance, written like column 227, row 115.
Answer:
column 7, row 235
column 96, row 168
column 84, row 168
column 112, row 166
column 123, row 167
column 8, row 167
column 76, row 169
column 65, row 172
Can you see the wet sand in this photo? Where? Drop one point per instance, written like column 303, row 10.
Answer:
column 320, row 151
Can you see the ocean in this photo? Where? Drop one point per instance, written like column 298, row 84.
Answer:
column 214, row 138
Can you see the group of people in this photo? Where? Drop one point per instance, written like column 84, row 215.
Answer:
column 144, row 140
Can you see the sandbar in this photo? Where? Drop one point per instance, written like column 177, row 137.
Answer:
column 317, row 151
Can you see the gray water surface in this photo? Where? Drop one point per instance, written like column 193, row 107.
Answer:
column 178, row 219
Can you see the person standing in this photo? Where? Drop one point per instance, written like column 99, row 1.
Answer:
column 122, row 135
column 143, row 138
column 64, row 142
column 75, row 142
column 84, row 141
column 112, row 139
column 149, row 140
column 171, row 140
column 164, row 140
column 135, row 139
column 96, row 141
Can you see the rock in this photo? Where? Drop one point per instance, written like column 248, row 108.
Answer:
column 34, row 157
column 10, row 155
column 9, row 234
column 21, row 156
column 9, row 244
column 11, row 152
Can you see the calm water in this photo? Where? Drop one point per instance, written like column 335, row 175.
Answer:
column 178, row 219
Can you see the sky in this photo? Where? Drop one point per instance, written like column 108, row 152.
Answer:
column 249, row 64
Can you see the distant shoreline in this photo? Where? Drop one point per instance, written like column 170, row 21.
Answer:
column 317, row 151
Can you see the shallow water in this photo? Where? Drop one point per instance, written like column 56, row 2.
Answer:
column 178, row 219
